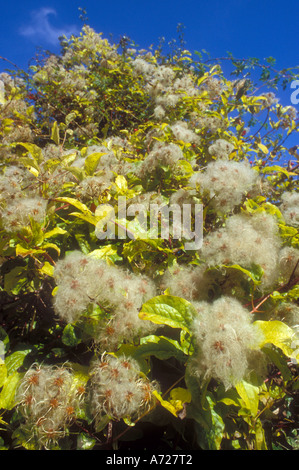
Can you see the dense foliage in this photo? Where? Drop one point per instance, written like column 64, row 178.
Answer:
column 135, row 341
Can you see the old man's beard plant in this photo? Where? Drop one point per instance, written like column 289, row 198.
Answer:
column 106, row 340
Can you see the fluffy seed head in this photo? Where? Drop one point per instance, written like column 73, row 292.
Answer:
column 47, row 400
column 118, row 389
column 225, row 183
column 225, row 336
column 290, row 208
column 246, row 241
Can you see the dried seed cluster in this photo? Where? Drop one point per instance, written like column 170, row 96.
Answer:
column 226, row 339
column 119, row 390
column 48, row 399
column 84, row 280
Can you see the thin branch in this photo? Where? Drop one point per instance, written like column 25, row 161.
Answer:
column 282, row 288
column 9, row 61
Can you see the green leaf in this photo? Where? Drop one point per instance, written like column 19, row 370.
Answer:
column 3, row 374
column 159, row 346
column 81, row 373
column 102, row 423
column 215, row 434
column 186, row 343
column 85, row 442
column 23, row 437
column 272, row 209
column 15, row 280
column 69, row 158
column 85, row 213
column 287, row 232
column 70, row 117
column 291, row 295
column 31, row 164
column 104, row 212
column 137, row 248
column 108, row 252
column 255, row 273
column 37, row 232
column 253, row 207
column 229, row 401
column 279, row 360
column 79, row 173
column 7, row 395
column 185, row 168
column 250, row 396
column 209, row 424
column 92, row 161
column 229, row 397
column 260, row 441
column 55, row 133
column 178, row 396
column 16, row 359
column 168, row 310
column 4, row 338
column 82, row 242
column 70, row 336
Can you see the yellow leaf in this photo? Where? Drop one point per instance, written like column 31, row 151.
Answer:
column 260, row 441
column 7, row 394
column 263, row 148
column 92, row 161
column 47, row 269
column 55, row 133
column 33, row 171
column 21, row 251
column 3, row 373
column 88, row 217
column 104, row 212
column 168, row 406
column 54, row 291
column 74, row 202
column 250, row 396
column 3, row 422
column 34, row 152
column 51, row 245
column 181, row 394
column 121, row 184
column 107, row 252
column 277, row 333
column 55, row 231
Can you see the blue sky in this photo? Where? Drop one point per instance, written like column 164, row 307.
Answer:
column 258, row 28
column 246, row 28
